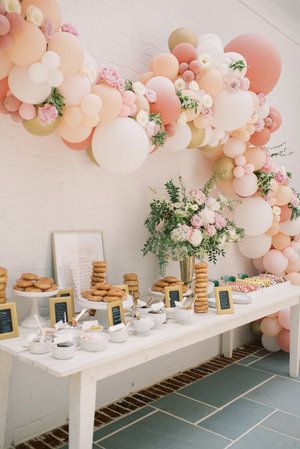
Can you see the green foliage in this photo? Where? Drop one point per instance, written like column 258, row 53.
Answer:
column 264, row 182
column 57, row 100
column 187, row 102
column 156, row 118
column 279, row 150
column 159, row 138
column 172, row 190
column 238, row 65
column 128, row 85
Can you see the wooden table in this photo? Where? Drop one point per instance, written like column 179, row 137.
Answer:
column 86, row 368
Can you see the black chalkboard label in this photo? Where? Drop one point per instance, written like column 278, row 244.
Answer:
column 116, row 315
column 6, row 323
column 61, row 312
column 65, row 295
column 224, row 299
column 174, row 295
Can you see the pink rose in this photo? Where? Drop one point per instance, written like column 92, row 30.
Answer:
column 152, row 129
column 47, row 30
column 47, row 114
column 259, row 125
column 220, row 221
column 206, row 112
column 150, row 96
column 69, row 28
column 111, row 76
column 198, row 196
column 210, row 230
column 196, row 221
column 233, row 84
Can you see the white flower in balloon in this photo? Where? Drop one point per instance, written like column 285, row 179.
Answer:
column 207, row 215
column 12, row 6
column 34, row 15
column 142, row 118
column 205, row 60
column 179, row 84
column 139, row 88
column 193, row 85
column 207, row 101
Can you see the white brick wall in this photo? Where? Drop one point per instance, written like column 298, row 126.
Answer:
column 46, row 187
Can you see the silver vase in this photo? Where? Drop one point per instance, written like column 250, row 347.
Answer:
column 187, row 269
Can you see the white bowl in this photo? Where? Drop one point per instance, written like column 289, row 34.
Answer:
column 63, row 352
column 94, row 342
column 158, row 319
column 39, row 347
column 74, row 332
column 184, row 316
column 171, row 313
column 142, row 326
column 119, row 336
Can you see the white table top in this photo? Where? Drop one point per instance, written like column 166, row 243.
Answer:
column 169, row 338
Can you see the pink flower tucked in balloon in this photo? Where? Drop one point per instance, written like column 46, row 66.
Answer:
column 150, row 96
column 206, row 112
column 220, row 221
column 198, row 196
column 111, row 76
column 152, row 129
column 232, row 84
column 261, row 98
column 47, row 114
column 210, row 230
column 259, row 125
column 47, row 29
column 69, row 28
column 244, row 83
column 196, row 221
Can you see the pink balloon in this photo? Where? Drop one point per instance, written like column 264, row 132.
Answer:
column 168, row 107
column 293, row 277
column 245, row 186
column 17, row 22
column 249, row 168
column 240, row 160
column 286, row 214
column 5, row 42
column 80, row 146
column 3, row 88
column 188, row 76
column 275, row 262
column 290, row 253
column 263, row 60
column 4, row 25
column 15, row 116
column 283, row 340
column 183, row 67
column 171, row 130
column 270, row 326
column 185, row 52
column 27, row 111
column 275, row 116
column 284, row 318
column 258, row 263
column 125, row 110
column 133, row 109
column 195, row 66
column 74, row 88
column 161, row 85
column 238, row 172
column 128, row 97
column 11, row 103
column 260, row 138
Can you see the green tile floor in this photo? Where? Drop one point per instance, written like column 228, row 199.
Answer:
column 250, row 404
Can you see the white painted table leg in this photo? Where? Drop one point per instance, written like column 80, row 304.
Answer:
column 5, row 373
column 295, row 341
column 82, row 401
column 227, row 344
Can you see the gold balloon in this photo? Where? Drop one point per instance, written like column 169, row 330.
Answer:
column 182, row 35
column 212, row 152
column 223, row 168
column 198, row 135
column 91, row 156
column 35, row 127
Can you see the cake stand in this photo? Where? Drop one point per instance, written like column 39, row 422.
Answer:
column 30, row 322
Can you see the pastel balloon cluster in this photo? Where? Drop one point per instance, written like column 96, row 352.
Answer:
column 17, row 110
column 11, row 23
column 274, row 331
column 47, row 71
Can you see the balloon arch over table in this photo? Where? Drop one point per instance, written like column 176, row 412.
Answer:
column 199, row 95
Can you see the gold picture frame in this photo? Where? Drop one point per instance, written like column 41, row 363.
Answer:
column 170, row 297
column 9, row 327
column 224, row 301
column 124, row 287
column 115, row 310
column 68, row 292
column 57, row 310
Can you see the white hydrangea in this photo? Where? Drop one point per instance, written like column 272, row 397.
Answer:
column 139, row 88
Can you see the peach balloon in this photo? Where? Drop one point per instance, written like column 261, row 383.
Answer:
column 165, row 64
column 111, row 102
column 210, row 80
column 182, row 35
column 80, row 146
column 245, row 186
column 270, row 326
column 73, row 116
column 5, row 65
column 260, row 138
column 281, row 241
column 274, row 229
column 286, row 214
column 275, row 262
column 73, row 134
column 185, row 52
column 28, row 47
column 275, row 116
column 274, row 185
column 74, row 88
column 50, row 8
column 3, row 88
column 191, row 114
column 293, row 277
column 70, row 52
column 145, row 77
column 161, row 85
column 258, row 264
column 284, row 195
column 141, row 103
column 256, row 156
column 293, row 266
column 283, row 340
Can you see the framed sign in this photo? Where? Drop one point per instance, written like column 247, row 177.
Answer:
column 123, row 287
column 115, row 313
column 224, row 302
column 61, row 309
column 68, row 293
column 8, row 321
column 173, row 294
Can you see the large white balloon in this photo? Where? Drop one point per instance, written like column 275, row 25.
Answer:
column 180, row 140
column 255, row 246
column 270, row 343
column 213, row 47
column 22, row 87
column 255, row 215
column 291, row 227
column 232, row 110
column 120, row 146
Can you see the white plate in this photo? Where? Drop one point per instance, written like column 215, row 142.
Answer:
column 101, row 305
column 31, row 295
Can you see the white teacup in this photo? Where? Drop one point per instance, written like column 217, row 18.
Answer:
column 158, row 319
column 39, row 347
column 184, row 316
column 143, row 325
column 118, row 336
column 94, row 342
column 63, row 352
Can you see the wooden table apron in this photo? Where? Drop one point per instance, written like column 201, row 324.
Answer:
column 85, row 369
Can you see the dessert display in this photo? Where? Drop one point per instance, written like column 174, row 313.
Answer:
column 131, row 279
column 99, row 272
column 258, row 283
column 32, row 283
column 200, row 288
column 104, row 292
column 168, row 281
column 3, row 284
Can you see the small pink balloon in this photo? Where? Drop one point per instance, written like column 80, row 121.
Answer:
column 275, row 116
column 27, row 111
column 240, row 160
column 15, row 117
column 183, row 67
column 275, row 261
column 185, row 52
column 284, row 318
column 286, row 214
column 125, row 110
column 289, row 253
column 133, row 109
column 11, row 103
column 4, row 25
column 17, row 22
column 171, row 130
column 5, row 42
column 238, row 172
column 128, row 97
column 195, row 66
column 249, row 168
column 283, row 340
column 188, row 76
column 245, row 186
column 260, row 138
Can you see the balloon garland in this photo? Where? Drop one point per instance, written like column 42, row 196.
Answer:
column 200, row 95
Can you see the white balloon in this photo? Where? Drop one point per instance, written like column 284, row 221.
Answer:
column 120, row 146
column 55, row 78
column 26, row 90
column 255, row 215
column 291, row 227
column 210, row 37
column 37, row 72
column 263, row 111
column 270, row 343
column 232, row 110
column 90, row 68
column 234, row 147
column 213, row 48
column 51, row 60
column 180, row 140
column 208, row 135
column 232, row 57
column 255, row 246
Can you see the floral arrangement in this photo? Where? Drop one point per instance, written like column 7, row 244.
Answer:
column 189, row 224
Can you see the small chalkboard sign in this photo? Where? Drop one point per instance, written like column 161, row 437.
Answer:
column 224, row 301
column 173, row 294
column 68, row 293
column 60, row 309
column 115, row 313
column 8, row 321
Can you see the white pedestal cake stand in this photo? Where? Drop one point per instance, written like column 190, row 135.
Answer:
column 30, row 322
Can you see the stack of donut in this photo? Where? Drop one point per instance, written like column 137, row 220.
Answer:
column 99, row 272
column 3, row 284
column 32, row 283
column 168, row 281
column 200, row 290
column 131, row 279
column 104, row 292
